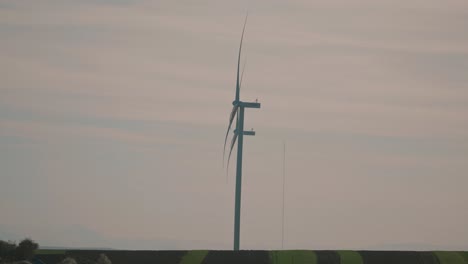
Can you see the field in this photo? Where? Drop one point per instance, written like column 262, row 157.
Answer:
column 51, row 251
column 258, row 257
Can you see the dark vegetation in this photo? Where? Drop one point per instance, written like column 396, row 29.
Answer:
column 127, row 256
column 27, row 250
column 401, row 257
column 327, row 257
column 235, row 257
column 10, row 252
column 263, row 257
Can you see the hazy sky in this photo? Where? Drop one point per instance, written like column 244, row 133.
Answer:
column 113, row 116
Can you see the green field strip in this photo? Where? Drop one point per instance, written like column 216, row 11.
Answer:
column 194, row 257
column 50, row 252
column 465, row 255
column 293, row 257
column 350, row 257
column 450, row 257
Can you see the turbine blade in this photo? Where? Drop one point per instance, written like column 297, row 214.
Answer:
column 242, row 75
column 238, row 60
column 233, row 142
column 231, row 118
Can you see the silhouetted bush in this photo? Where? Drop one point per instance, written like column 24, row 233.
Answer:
column 7, row 250
column 26, row 249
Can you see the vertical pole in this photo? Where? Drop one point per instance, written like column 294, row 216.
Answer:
column 240, row 131
column 282, row 211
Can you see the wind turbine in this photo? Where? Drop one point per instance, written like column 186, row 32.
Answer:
column 238, row 111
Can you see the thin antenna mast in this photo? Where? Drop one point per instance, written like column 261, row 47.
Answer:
column 284, row 177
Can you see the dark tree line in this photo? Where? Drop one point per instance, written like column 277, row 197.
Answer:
column 9, row 251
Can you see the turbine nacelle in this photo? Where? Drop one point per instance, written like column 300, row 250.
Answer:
column 249, row 104
column 255, row 104
column 245, row 133
column 238, row 106
column 246, row 104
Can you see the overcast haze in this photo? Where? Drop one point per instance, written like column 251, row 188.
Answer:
column 113, row 116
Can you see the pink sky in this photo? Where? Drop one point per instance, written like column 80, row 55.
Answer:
column 113, row 114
